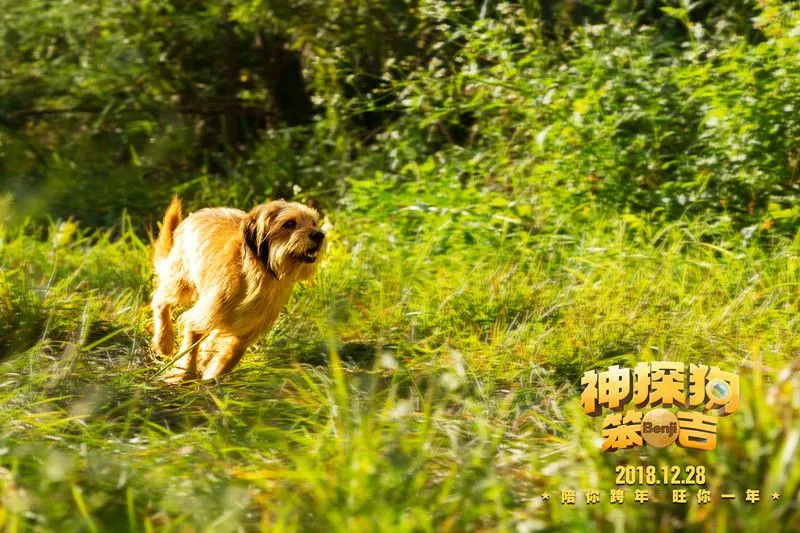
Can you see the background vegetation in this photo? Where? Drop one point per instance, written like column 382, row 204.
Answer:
column 517, row 192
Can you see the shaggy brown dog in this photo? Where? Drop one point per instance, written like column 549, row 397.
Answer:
column 238, row 268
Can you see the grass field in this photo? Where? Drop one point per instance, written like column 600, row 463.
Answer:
column 427, row 380
column 517, row 192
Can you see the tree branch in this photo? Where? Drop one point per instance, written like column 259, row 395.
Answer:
column 207, row 111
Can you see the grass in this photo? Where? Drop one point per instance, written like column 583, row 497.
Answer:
column 427, row 380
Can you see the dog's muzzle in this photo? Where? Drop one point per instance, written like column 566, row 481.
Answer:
column 310, row 255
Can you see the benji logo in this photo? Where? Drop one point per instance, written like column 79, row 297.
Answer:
column 670, row 429
column 660, row 384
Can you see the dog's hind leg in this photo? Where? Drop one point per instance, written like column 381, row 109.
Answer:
column 163, row 332
column 197, row 325
column 170, row 291
column 186, row 366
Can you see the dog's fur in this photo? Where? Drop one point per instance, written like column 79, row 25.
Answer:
column 238, row 268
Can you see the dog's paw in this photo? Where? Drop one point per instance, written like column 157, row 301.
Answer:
column 175, row 376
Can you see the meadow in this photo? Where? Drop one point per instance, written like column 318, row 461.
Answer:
column 406, row 389
column 514, row 196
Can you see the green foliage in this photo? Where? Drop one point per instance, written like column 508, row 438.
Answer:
column 422, row 383
column 517, row 192
column 664, row 109
column 108, row 105
column 620, row 113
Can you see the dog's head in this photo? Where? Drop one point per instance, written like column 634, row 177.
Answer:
column 285, row 236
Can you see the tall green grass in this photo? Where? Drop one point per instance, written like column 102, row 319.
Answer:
column 415, row 385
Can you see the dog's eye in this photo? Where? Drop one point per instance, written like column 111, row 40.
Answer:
column 289, row 224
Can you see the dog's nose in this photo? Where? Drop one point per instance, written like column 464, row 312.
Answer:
column 317, row 236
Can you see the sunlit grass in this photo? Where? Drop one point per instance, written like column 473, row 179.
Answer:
column 411, row 387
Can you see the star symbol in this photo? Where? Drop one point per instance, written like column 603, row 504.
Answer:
column 545, row 496
column 776, row 496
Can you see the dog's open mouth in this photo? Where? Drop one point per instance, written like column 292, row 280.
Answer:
column 310, row 255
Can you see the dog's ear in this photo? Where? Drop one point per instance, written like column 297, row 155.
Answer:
column 256, row 231
column 254, row 239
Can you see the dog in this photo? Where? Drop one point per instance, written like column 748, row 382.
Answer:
column 238, row 269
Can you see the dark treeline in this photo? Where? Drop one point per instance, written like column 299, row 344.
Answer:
column 112, row 106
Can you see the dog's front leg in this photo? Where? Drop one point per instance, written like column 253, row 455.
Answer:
column 228, row 350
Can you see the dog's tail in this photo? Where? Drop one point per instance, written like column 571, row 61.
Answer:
column 171, row 220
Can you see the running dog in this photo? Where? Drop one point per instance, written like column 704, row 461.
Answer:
column 237, row 269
